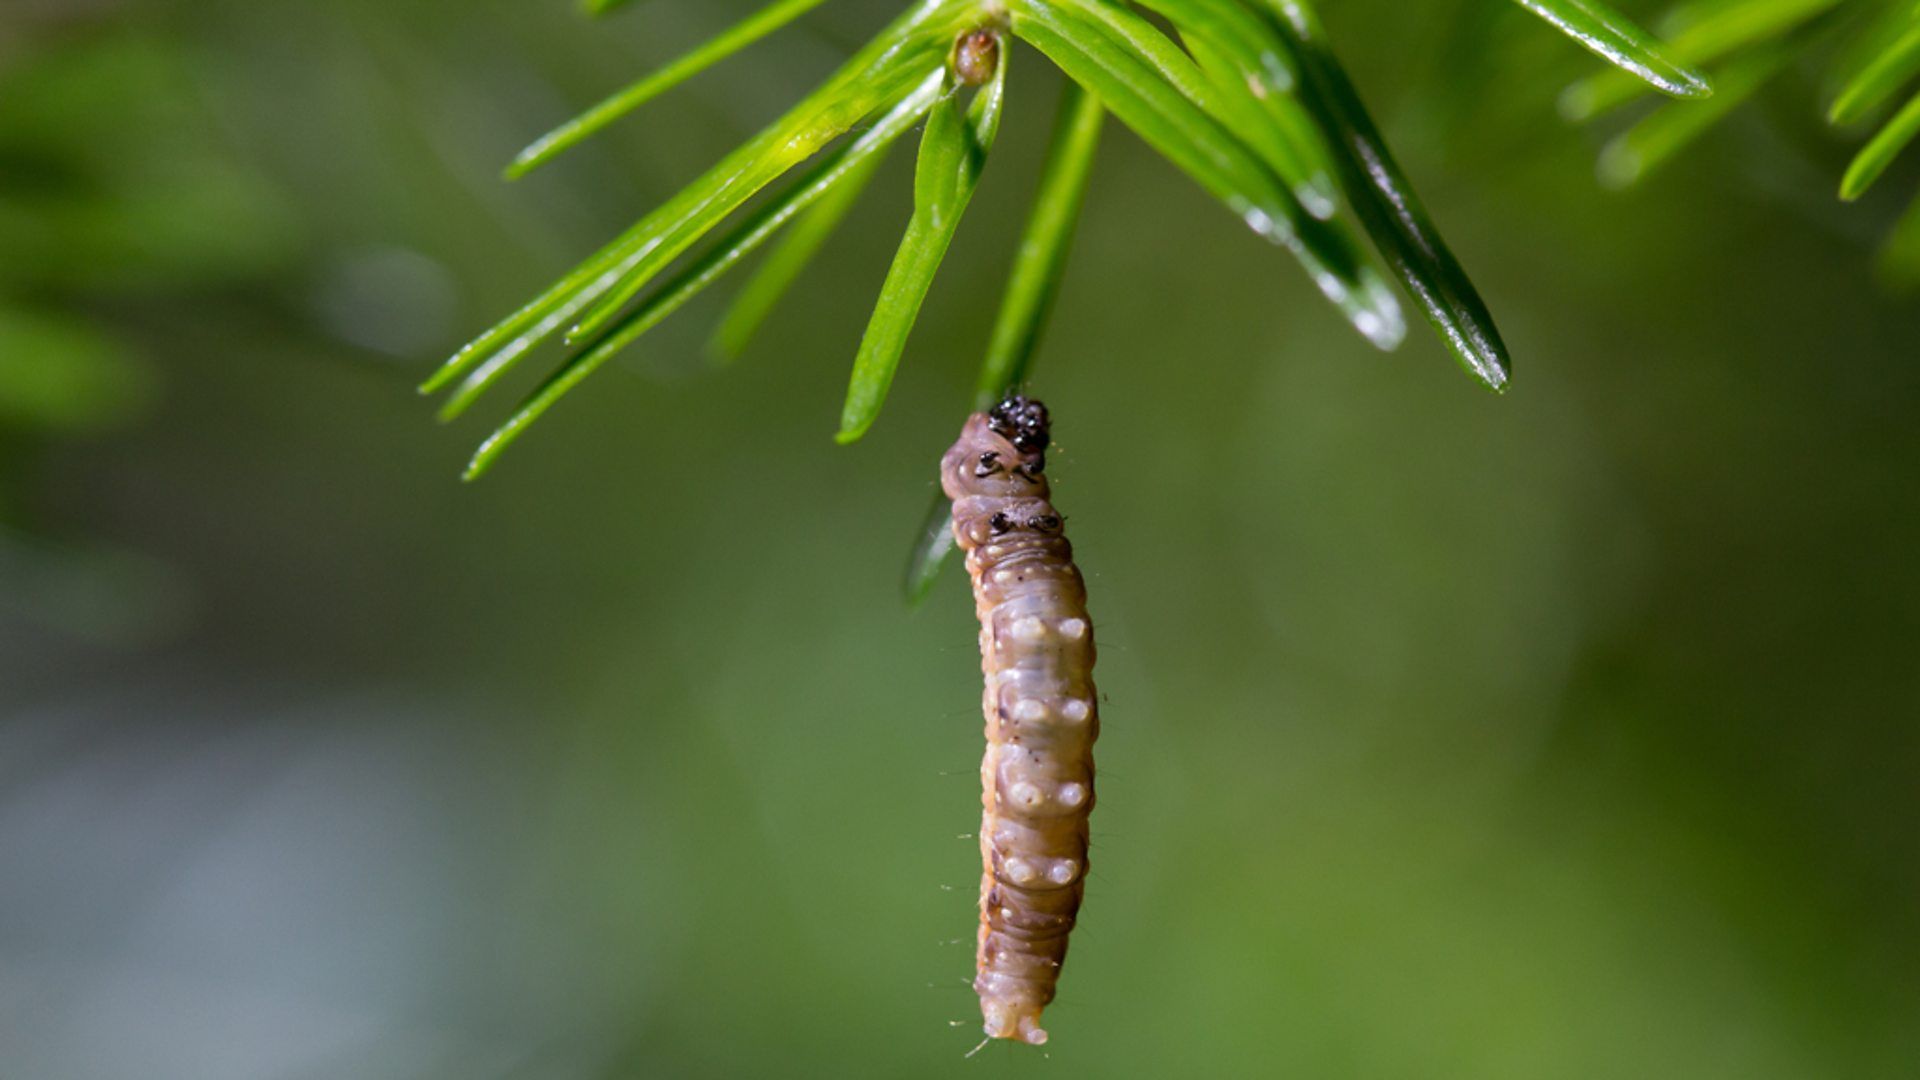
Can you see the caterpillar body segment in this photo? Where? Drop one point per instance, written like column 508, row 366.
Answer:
column 1042, row 715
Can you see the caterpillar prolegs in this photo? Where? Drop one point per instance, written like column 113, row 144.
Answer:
column 1036, row 649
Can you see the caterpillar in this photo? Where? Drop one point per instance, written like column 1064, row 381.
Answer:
column 1036, row 650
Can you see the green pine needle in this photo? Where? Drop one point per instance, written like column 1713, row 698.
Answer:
column 1631, row 156
column 1032, row 286
column 1133, row 88
column 1880, row 151
column 873, row 80
column 582, row 127
column 1041, row 260
column 953, row 153
column 786, row 262
column 723, row 256
column 1244, row 96
column 602, row 7
column 1702, row 32
column 1618, row 40
column 1891, row 69
column 1393, row 215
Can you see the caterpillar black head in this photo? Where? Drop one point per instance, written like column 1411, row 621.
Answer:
column 1023, row 422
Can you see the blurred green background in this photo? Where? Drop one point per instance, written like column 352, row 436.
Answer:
column 1570, row 734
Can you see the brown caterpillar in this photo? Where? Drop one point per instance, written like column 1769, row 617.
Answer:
column 1036, row 648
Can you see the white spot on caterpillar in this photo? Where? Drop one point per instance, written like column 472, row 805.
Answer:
column 1076, row 710
column 1026, row 795
column 1073, row 629
column 1029, row 630
column 1063, row 872
column 1028, row 710
column 1021, row 872
column 1072, row 794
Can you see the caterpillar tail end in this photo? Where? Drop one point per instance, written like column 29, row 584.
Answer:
column 1017, row 1020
